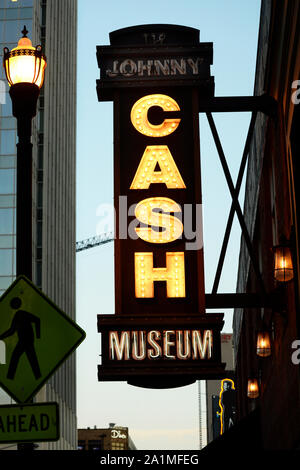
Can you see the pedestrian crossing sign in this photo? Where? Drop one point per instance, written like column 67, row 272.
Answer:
column 36, row 337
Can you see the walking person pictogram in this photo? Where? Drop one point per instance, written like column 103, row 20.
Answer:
column 22, row 325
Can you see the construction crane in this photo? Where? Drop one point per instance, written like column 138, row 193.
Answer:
column 94, row 241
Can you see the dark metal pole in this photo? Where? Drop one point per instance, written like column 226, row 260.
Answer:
column 24, row 101
column 24, row 209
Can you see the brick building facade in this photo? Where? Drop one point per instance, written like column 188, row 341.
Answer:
column 112, row 438
column 272, row 211
column 270, row 421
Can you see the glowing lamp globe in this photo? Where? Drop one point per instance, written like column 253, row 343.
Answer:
column 283, row 269
column 24, row 63
column 252, row 388
column 263, row 346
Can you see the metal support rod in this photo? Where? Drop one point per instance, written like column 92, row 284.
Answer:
column 232, row 210
column 224, row 104
column 274, row 300
column 235, row 201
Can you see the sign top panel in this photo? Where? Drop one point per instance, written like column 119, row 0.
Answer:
column 158, row 34
column 152, row 56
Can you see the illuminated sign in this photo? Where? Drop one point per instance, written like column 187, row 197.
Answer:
column 227, row 404
column 160, row 327
column 144, row 67
column 117, row 434
column 141, row 345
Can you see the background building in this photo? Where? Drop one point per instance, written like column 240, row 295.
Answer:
column 53, row 24
column 270, row 420
column 272, row 210
column 112, row 438
column 213, row 389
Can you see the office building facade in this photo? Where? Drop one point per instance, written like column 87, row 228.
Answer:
column 53, row 24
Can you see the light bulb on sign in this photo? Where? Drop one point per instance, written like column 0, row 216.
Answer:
column 168, row 173
column 139, row 115
column 146, row 274
column 146, row 213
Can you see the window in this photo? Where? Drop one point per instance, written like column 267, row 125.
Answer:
column 7, row 161
column 5, row 107
column 5, row 282
column 11, row 14
column 7, row 122
column 118, row 446
column 7, row 181
column 7, row 262
column 7, row 221
column 12, row 30
column 81, row 445
column 26, row 13
column 23, row 3
column 40, row 194
column 7, row 201
column 39, row 274
column 7, row 241
column 8, row 142
column 94, row 445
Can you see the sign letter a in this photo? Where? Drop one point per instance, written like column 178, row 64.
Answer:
column 146, row 173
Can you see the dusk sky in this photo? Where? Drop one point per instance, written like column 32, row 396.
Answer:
column 157, row 419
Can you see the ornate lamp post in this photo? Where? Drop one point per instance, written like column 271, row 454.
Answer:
column 24, row 68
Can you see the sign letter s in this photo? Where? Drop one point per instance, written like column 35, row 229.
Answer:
column 296, row 354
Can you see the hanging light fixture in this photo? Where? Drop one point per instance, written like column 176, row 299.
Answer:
column 283, row 264
column 252, row 388
column 263, row 345
column 24, row 63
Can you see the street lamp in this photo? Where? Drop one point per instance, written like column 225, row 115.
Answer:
column 24, row 68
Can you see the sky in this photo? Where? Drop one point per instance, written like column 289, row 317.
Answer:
column 157, row 419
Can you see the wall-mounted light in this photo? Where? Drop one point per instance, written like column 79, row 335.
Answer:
column 283, row 264
column 263, row 345
column 252, row 388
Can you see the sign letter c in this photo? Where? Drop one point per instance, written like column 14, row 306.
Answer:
column 139, row 115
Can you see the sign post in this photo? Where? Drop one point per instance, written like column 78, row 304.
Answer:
column 160, row 335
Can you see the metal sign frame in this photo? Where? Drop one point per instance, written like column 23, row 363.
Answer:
column 125, row 89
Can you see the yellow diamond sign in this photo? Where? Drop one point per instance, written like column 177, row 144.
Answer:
column 36, row 337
